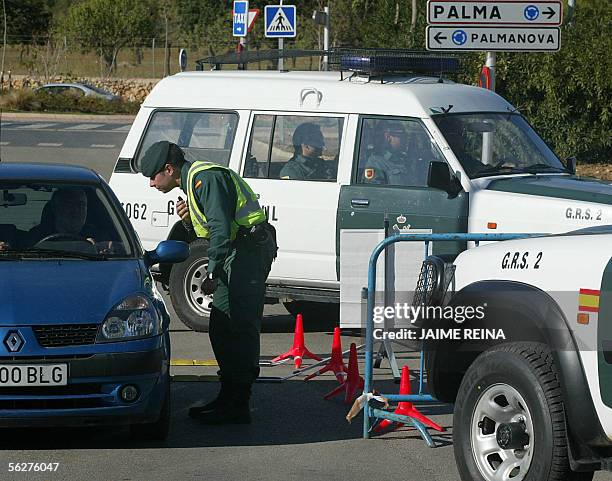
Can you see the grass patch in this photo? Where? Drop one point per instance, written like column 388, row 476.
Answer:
column 26, row 100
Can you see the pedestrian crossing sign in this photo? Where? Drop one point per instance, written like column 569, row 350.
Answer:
column 280, row 21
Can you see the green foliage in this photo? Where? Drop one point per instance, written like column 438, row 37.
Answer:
column 109, row 25
column 26, row 19
column 26, row 100
column 567, row 96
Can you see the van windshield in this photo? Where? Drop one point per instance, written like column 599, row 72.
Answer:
column 490, row 144
column 49, row 219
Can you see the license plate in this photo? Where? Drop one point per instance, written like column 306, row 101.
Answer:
column 12, row 375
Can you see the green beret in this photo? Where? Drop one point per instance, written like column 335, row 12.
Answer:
column 154, row 158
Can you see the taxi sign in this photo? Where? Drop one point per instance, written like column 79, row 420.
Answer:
column 493, row 39
column 240, row 18
column 548, row 12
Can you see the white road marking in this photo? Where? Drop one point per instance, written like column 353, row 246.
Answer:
column 84, row 127
column 103, row 146
column 123, row 128
column 37, row 126
column 49, row 144
column 4, row 143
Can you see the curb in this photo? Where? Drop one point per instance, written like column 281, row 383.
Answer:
column 34, row 116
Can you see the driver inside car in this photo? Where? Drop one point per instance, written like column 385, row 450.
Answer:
column 63, row 219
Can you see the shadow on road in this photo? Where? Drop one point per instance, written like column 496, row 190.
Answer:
column 293, row 412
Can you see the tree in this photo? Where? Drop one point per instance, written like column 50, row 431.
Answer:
column 107, row 26
column 27, row 19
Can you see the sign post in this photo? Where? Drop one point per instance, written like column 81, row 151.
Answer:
column 494, row 26
column 281, row 24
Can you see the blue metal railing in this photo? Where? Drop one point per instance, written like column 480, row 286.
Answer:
column 369, row 344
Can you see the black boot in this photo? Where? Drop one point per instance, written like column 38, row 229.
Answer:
column 223, row 397
column 234, row 411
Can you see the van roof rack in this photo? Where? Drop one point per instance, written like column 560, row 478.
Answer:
column 369, row 62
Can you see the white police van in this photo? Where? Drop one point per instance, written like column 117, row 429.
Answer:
column 428, row 153
column 536, row 402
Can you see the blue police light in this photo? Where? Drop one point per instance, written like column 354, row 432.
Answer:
column 399, row 62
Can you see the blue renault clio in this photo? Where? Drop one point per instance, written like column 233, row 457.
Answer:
column 83, row 330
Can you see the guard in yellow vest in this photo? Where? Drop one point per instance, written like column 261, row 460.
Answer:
column 223, row 209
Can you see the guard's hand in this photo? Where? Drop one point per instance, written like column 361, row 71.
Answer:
column 209, row 285
column 182, row 209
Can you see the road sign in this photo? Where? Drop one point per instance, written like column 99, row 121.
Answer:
column 240, row 18
column 253, row 15
column 280, row 21
column 466, row 12
column 492, row 39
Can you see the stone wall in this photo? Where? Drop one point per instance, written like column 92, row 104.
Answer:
column 133, row 90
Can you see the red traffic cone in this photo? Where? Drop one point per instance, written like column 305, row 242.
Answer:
column 336, row 363
column 406, row 408
column 299, row 350
column 353, row 381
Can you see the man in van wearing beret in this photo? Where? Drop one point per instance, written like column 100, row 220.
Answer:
column 222, row 208
column 390, row 164
column 306, row 163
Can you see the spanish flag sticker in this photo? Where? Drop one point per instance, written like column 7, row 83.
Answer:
column 588, row 300
column 369, row 174
column 198, row 184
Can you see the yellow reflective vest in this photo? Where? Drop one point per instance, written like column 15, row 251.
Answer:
column 248, row 211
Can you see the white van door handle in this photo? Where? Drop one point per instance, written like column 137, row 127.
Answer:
column 311, row 90
column 360, row 202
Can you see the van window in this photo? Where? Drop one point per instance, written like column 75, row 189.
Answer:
column 201, row 135
column 395, row 152
column 294, row 147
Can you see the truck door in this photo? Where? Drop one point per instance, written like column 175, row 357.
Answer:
column 292, row 162
column 390, row 167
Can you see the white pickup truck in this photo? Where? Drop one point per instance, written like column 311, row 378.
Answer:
column 536, row 402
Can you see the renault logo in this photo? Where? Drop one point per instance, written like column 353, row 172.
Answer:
column 13, row 341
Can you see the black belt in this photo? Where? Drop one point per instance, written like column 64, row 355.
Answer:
column 256, row 233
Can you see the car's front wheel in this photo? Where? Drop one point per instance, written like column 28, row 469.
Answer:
column 191, row 305
column 509, row 421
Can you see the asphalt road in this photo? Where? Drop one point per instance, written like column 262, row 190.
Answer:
column 296, row 435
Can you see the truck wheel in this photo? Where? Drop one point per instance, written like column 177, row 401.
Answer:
column 314, row 311
column 509, row 420
column 190, row 303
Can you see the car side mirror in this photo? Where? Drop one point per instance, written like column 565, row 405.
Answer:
column 439, row 177
column 570, row 164
column 169, row 251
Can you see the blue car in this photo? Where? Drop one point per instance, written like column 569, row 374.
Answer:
column 83, row 329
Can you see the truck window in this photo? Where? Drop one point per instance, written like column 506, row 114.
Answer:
column 201, row 135
column 395, row 152
column 489, row 144
column 294, row 147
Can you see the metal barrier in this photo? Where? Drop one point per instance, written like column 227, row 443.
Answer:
column 369, row 343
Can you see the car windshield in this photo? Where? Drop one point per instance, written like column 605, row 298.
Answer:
column 490, row 144
column 48, row 219
column 97, row 89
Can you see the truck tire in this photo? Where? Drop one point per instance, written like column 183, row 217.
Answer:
column 510, row 404
column 190, row 304
column 314, row 312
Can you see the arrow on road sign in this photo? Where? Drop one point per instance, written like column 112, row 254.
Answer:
column 550, row 13
column 439, row 37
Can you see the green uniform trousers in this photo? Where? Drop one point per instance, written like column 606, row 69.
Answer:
column 237, row 310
